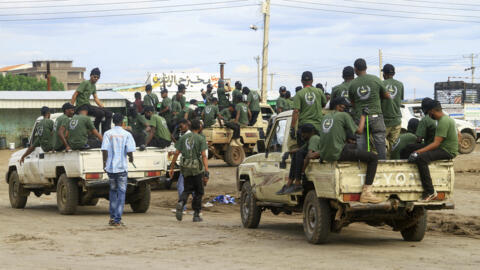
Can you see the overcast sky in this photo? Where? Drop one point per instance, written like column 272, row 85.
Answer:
column 127, row 47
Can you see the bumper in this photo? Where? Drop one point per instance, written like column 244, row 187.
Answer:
column 131, row 182
column 396, row 204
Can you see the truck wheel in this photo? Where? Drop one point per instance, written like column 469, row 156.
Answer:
column 417, row 231
column 143, row 202
column 18, row 195
column 234, row 155
column 467, row 143
column 67, row 195
column 249, row 211
column 316, row 218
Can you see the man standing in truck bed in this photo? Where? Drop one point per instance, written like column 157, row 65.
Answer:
column 61, row 126
column 42, row 135
column 79, row 128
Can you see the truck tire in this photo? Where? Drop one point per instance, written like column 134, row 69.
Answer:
column 417, row 231
column 467, row 143
column 142, row 204
column 234, row 155
column 249, row 211
column 316, row 218
column 67, row 195
column 17, row 194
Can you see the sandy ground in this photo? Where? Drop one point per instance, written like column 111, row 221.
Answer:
column 37, row 237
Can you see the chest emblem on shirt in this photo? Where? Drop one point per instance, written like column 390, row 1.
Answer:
column 73, row 124
column 208, row 110
column 327, row 125
column 39, row 131
column 310, row 98
column 344, row 94
column 393, row 90
column 395, row 145
column 364, row 92
column 244, row 109
column 255, row 96
column 189, row 143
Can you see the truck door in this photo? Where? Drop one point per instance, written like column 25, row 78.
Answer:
column 30, row 166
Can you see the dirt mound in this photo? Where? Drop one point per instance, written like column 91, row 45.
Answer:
column 454, row 224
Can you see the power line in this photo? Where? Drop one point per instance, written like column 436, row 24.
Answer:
column 83, row 5
column 38, row 1
column 374, row 14
column 410, row 5
column 434, row 2
column 127, row 14
column 379, row 9
column 121, row 9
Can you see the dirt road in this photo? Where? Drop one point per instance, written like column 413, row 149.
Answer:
column 39, row 238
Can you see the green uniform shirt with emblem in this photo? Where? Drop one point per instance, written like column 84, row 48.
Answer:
column 426, row 129
column 85, row 90
column 447, row 129
column 191, row 146
column 333, row 134
column 254, row 99
column 78, row 129
column 151, row 100
column 43, row 134
column 210, row 115
column 226, row 114
column 309, row 102
column 402, row 141
column 209, row 97
column 138, row 123
column 62, row 121
column 222, row 98
column 366, row 91
column 161, row 128
column 236, row 96
column 391, row 107
column 280, row 104
column 182, row 101
column 242, row 109
column 288, row 104
column 166, row 103
column 177, row 108
column 340, row 90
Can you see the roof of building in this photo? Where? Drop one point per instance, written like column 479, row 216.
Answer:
column 14, row 67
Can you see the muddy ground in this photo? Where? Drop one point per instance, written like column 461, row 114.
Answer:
column 37, row 237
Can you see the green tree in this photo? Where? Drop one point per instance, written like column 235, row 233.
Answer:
column 24, row 83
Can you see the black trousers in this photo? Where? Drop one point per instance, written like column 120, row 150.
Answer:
column 254, row 118
column 409, row 149
column 101, row 115
column 236, row 129
column 139, row 138
column 351, row 153
column 422, row 163
column 296, row 166
column 159, row 142
column 193, row 185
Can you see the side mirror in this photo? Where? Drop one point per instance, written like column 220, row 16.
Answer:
column 261, row 146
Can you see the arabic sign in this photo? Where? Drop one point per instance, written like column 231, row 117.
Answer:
column 472, row 112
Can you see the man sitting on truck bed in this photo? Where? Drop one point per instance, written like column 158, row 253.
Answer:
column 444, row 146
column 78, row 130
column 137, row 125
column 229, row 115
column 210, row 113
column 60, row 128
column 160, row 137
column 337, row 128
column 399, row 148
column 42, row 135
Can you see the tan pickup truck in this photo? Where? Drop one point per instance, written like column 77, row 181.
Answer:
column 330, row 200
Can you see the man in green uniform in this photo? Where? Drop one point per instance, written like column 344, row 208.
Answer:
column 237, row 93
column 280, row 104
column 243, row 113
column 405, row 139
column 319, row 86
column 79, row 128
column 365, row 92
column 138, row 126
column 308, row 106
column 209, row 93
column 222, row 95
column 42, row 135
column 81, row 98
column 190, row 112
column 194, row 168
column 60, row 128
column 425, row 131
column 253, row 103
column 180, row 95
column 229, row 116
column 160, row 136
column 210, row 113
column 392, row 115
column 150, row 98
column 444, row 146
column 341, row 90
column 166, row 109
column 288, row 101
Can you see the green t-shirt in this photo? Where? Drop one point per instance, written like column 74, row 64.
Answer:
column 254, row 99
column 402, row 141
column 242, row 109
column 43, row 134
column 177, row 108
column 151, row 100
column 85, row 90
column 161, row 128
column 191, row 146
column 366, row 91
column 447, row 129
column 166, row 103
column 209, row 97
column 340, row 90
column 391, row 107
column 288, row 104
column 280, row 104
column 236, row 96
column 426, row 129
column 182, row 101
column 210, row 115
column 226, row 114
column 61, row 121
column 309, row 102
column 138, row 123
column 222, row 98
column 78, row 129
column 314, row 143
column 333, row 134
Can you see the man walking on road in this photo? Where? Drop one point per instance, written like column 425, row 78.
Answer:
column 391, row 107
column 116, row 146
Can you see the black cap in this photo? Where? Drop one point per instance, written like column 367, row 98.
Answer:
column 307, row 128
column 307, row 76
column 209, row 86
column 238, row 85
column 148, row 109
column 44, row 110
column 95, row 72
column 320, row 86
column 425, row 102
column 181, row 87
column 282, row 89
column 339, row 101
column 413, row 125
column 148, row 87
column 298, row 88
column 388, row 69
column 164, row 91
column 117, row 118
column 67, row 106
column 193, row 101
column 429, row 105
column 348, row 72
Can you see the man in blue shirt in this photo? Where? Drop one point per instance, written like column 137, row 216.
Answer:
column 116, row 146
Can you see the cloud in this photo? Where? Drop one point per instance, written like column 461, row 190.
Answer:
column 244, row 69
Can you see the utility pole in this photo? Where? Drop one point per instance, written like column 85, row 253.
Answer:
column 380, row 63
column 49, row 83
column 257, row 59
column 472, row 67
column 222, row 70
column 266, row 26
column 271, row 81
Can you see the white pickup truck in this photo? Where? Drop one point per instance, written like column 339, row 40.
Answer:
column 330, row 200
column 78, row 177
